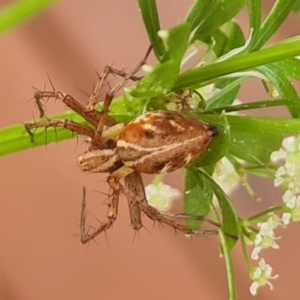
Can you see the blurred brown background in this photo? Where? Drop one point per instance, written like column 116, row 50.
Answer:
column 41, row 189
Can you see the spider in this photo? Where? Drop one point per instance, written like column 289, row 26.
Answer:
column 155, row 142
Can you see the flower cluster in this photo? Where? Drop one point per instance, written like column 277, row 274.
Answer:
column 265, row 238
column 226, row 176
column 288, row 177
column 161, row 196
column 260, row 276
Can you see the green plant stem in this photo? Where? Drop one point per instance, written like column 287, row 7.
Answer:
column 245, row 253
column 251, row 105
column 227, row 258
column 258, row 217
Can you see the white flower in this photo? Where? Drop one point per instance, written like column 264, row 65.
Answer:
column 292, row 203
column 288, row 174
column 226, row 176
column 207, row 91
column 278, row 155
column 289, row 143
column 161, row 196
column 286, row 218
column 289, row 199
column 261, row 275
column 265, row 238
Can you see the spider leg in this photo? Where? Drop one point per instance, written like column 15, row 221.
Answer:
column 150, row 211
column 39, row 103
column 113, row 201
column 112, row 211
column 170, row 220
column 167, row 218
column 92, row 117
column 93, row 98
column 122, row 73
column 67, row 124
column 97, row 139
column 134, row 184
column 134, row 71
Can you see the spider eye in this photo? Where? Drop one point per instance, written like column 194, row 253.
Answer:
column 109, row 144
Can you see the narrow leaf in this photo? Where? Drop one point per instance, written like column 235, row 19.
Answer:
column 197, row 197
column 230, row 224
column 161, row 79
column 216, row 15
column 254, row 12
column 199, row 12
column 285, row 88
column 199, row 76
column 19, row 11
column 276, row 17
column 151, row 21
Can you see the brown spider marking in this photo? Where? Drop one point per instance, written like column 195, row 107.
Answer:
column 156, row 142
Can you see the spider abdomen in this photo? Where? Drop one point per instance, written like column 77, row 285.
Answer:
column 161, row 142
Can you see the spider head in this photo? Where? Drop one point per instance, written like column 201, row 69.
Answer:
column 101, row 160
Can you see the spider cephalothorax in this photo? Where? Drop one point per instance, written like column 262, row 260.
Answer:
column 155, row 142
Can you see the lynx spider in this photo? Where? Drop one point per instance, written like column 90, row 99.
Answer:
column 110, row 140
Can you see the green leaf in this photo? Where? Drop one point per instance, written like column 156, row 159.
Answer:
column 201, row 76
column 231, row 94
column 218, row 41
column 19, row 11
column 197, row 196
column 177, row 42
column 199, row 12
column 235, row 37
column 253, row 138
column 290, row 67
column 218, row 146
column 223, row 41
column 161, row 79
column 276, row 17
column 297, row 6
column 285, row 88
column 226, row 95
column 265, row 171
column 230, row 223
column 15, row 138
column 151, row 21
column 125, row 108
column 256, row 147
column 211, row 17
column 254, row 12
column 268, row 125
